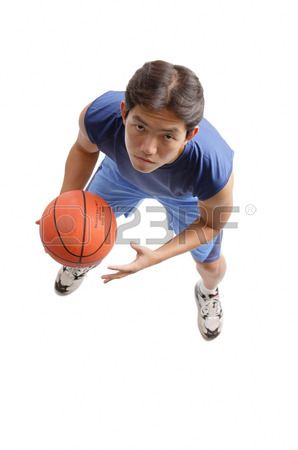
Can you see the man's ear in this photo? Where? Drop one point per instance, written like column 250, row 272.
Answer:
column 123, row 110
column 191, row 134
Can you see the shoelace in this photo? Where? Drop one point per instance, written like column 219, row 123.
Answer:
column 78, row 271
column 211, row 306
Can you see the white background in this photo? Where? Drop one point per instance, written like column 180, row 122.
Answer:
column 122, row 365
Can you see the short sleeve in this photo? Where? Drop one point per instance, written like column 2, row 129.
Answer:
column 102, row 117
column 213, row 173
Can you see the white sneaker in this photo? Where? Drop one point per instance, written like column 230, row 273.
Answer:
column 210, row 315
column 69, row 279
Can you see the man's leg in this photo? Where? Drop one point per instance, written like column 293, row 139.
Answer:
column 210, row 315
column 212, row 272
column 181, row 213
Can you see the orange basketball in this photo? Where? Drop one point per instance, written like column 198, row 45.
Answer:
column 78, row 228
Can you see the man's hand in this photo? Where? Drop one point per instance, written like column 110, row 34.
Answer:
column 144, row 258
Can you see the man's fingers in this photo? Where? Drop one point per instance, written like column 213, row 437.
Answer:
column 125, row 268
column 116, row 276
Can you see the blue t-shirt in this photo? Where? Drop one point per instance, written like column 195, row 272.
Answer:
column 201, row 170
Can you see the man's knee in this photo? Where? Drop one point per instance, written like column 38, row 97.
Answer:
column 212, row 267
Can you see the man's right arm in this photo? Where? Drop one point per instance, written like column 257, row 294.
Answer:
column 81, row 159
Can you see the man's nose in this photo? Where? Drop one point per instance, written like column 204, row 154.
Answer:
column 149, row 146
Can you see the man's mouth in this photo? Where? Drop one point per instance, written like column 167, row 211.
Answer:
column 146, row 160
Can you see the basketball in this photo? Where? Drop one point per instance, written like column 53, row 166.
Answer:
column 78, row 228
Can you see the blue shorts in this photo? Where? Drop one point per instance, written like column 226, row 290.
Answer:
column 124, row 197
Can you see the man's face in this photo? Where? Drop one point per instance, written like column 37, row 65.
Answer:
column 153, row 138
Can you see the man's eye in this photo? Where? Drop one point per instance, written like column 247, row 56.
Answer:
column 140, row 127
column 168, row 137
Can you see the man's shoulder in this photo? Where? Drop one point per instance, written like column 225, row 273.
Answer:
column 210, row 141
column 105, row 109
column 109, row 100
column 206, row 131
column 103, row 116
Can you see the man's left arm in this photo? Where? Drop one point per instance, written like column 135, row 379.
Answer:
column 214, row 214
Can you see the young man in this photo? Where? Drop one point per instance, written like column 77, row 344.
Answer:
column 158, row 145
